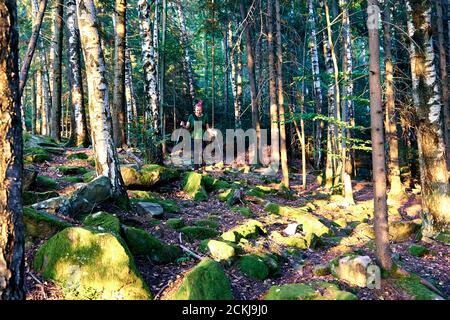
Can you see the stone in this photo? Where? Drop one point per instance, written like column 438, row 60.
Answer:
column 192, row 185
column 168, row 205
column 175, row 223
column 29, row 179
column 198, row 233
column 76, row 170
column 103, row 221
column 206, row 281
column 249, row 229
column 90, row 265
column 148, row 176
column 149, row 208
column 254, row 266
column 46, row 183
column 294, row 241
column 417, row 250
column 246, row 212
column 400, row 231
column 91, row 194
column 42, row 225
column 321, row 270
column 219, row 250
column 291, row 229
column 30, row 197
column 79, row 156
column 412, row 284
column 58, row 205
column 313, row 291
column 351, row 269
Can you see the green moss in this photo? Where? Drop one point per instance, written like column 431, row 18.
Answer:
column 294, row 241
column 148, row 176
column 46, row 183
column 154, row 222
column 206, row 281
column 291, row 292
column 141, row 242
column 250, row 229
column 207, row 223
column 41, row 224
column 89, row 176
column 411, row 284
column 168, row 205
column 212, row 184
column 192, row 185
column 175, row 223
column 256, row 192
column 219, row 250
column 72, row 179
column 198, row 233
column 254, row 267
column 443, row 237
column 36, row 155
column 103, row 221
column 417, row 250
column 246, row 212
column 72, row 170
column 79, row 155
column 225, row 195
column 30, row 197
column 90, row 265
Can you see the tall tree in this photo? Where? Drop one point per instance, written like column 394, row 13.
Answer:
column 106, row 159
column 11, row 221
column 79, row 135
column 237, row 92
column 130, row 98
column 56, row 57
column 427, row 102
column 119, row 120
column 378, row 156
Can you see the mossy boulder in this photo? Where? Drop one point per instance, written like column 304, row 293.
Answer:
column 400, row 231
column 147, row 176
column 168, row 205
column 207, row 223
column 225, row 195
column 417, row 250
column 90, row 265
column 141, row 242
column 192, row 185
column 198, row 233
column 36, row 155
column 175, row 223
column 46, row 183
column 351, row 269
column 75, row 170
column 72, row 179
column 40, row 225
column 412, row 284
column 443, row 237
column 78, row 156
column 256, row 192
column 313, row 291
column 58, row 205
column 206, row 281
column 212, row 184
column 294, row 241
column 89, row 176
column 249, row 229
column 258, row 266
column 29, row 179
column 103, row 221
column 246, row 212
column 219, row 250
column 30, row 197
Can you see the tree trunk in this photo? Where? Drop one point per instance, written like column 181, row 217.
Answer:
column 427, row 102
column 39, row 102
column 162, row 84
column 106, row 159
column 317, row 92
column 283, row 149
column 132, row 115
column 119, row 121
column 225, row 73
column 11, row 216
column 396, row 189
column 79, row 135
column 55, row 123
column 234, row 77
column 34, row 99
column 381, row 227
column 37, row 23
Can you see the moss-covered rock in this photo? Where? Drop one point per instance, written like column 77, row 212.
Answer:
column 46, row 183
column 40, row 225
column 30, row 197
column 321, row 270
column 249, row 229
column 254, row 266
column 90, row 265
column 75, row 170
column 36, row 155
column 192, row 185
column 417, row 250
column 351, row 269
column 206, row 281
column 148, row 176
column 443, row 237
column 141, row 242
column 225, row 195
column 219, row 250
column 246, row 212
column 84, row 199
column 256, row 192
column 412, row 285
column 72, row 179
column 103, row 221
column 212, row 184
column 207, row 223
column 294, row 241
column 313, row 291
column 198, row 233
column 58, row 205
column 168, row 205
column 79, row 156
column 175, row 223
column 402, row 230
column 89, row 176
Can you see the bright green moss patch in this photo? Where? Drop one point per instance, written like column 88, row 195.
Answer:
column 72, row 179
column 41, row 224
column 212, row 184
column 219, row 250
column 198, row 233
column 46, row 183
column 207, row 223
column 148, row 176
column 192, row 185
column 294, row 241
column 90, row 265
column 225, row 195
column 168, row 205
column 89, row 176
column 72, row 170
column 206, row 281
column 443, row 237
column 313, row 291
column 254, row 267
column 246, row 212
column 250, row 229
column 30, row 197
column 79, row 156
column 103, row 221
column 141, row 242
column 175, row 223
column 411, row 284
column 417, row 250
column 36, row 155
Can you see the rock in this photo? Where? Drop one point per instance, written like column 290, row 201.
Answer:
column 55, row 150
column 198, row 233
column 212, row 184
column 168, row 205
column 443, row 237
column 91, row 194
column 148, row 176
column 351, row 269
column 295, row 241
column 250, row 229
column 90, row 265
column 402, row 230
column 40, row 225
column 46, row 183
column 321, row 270
column 30, row 197
column 219, row 250
column 89, row 176
column 207, row 223
column 36, row 155
column 417, row 250
column 192, row 185
column 175, row 223
column 206, row 281
column 314, row 291
column 246, row 212
column 225, row 195
column 79, row 156
column 149, row 208
column 141, row 242
column 103, row 221
column 412, row 284
column 60, row 205
column 72, row 170
column 256, row 192
column 29, row 179
column 258, row 266
column 291, row 229
column 235, row 197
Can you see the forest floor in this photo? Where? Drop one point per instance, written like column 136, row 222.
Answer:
column 295, row 268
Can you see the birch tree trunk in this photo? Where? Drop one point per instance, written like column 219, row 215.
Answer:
column 130, row 99
column 11, row 216
column 283, row 150
column 317, row 89
column 226, row 73
column 427, row 102
column 381, row 226
column 79, row 135
column 396, row 189
column 106, row 159
column 119, row 121
column 39, row 101
column 234, row 77
column 55, row 123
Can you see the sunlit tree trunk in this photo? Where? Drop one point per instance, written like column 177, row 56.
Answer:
column 79, row 135
column 378, row 155
column 119, row 121
column 162, row 83
column 234, row 76
column 317, row 92
column 34, row 104
column 130, row 99
column 55, row 117
column 39, row 101
column 427, row 102
column 106, row 159
column 226, row 72
column 11, row 217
